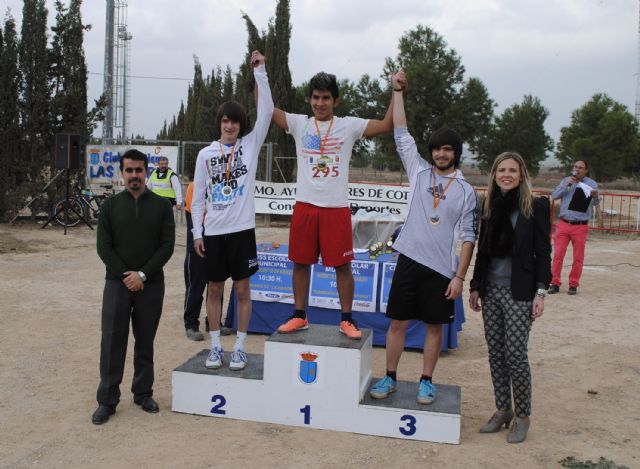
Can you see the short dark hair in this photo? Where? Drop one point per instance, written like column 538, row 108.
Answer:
column 445, row 136
column 134, row 155
column 324, row 82
column 234, row 112
column 586, row 165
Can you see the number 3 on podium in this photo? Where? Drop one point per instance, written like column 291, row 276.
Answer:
column 410, row 425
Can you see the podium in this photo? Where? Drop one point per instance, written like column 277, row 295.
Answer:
column 316, row 378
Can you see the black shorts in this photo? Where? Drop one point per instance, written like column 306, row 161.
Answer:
column 417, row 292
column 231, row 255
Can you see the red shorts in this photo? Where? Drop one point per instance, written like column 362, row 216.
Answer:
column 320, row 230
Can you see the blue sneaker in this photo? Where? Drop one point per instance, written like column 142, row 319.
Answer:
column 426, row 392
column 238, row 360
column 214, row 359
column 383, row 388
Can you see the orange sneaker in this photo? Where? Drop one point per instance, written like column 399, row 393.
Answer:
column 293, row 324
column 350, row 329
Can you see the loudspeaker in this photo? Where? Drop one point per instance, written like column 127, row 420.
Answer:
column 69, row 150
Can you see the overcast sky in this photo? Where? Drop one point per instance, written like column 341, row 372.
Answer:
column 562, row 51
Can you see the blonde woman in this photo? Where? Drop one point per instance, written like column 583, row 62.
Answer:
column 510, row 280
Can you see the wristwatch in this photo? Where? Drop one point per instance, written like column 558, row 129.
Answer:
column 142, row 275
column 541, row 292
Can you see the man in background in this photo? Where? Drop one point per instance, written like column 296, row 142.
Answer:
column 165, row 182
column 579, row 195
column 195, row 281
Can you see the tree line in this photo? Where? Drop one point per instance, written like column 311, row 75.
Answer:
column 602, row 131
column 43, row 91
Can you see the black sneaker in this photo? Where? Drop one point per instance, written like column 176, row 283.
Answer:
column 194, row 334
column 553, row 289
column 572, row 291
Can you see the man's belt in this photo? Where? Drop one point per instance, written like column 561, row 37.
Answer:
column 575, row 222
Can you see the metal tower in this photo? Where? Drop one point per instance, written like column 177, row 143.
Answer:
column 638, row 72
column 117, row 58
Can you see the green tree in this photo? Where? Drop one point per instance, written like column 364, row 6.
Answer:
column 604, row 134
column 520, row 128
column 35, row 97
column 277, row 52
column 367, row 100
column 10, row 133
column 438, row 94
column 68, row 71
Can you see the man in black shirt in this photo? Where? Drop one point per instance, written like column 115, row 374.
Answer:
column 136, row 235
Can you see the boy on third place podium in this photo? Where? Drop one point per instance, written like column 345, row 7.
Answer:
column 427, row 279
column 321, row 221
column 224, row 181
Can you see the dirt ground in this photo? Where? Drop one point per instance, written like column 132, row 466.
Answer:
column 585, row 355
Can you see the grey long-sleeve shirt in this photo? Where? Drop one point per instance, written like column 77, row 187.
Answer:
column 432, row 245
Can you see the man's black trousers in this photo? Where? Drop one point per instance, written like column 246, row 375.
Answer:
column 119, row 308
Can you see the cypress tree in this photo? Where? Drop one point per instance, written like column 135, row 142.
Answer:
column 277, row 47
column 10, row 133
column 69, row 71
column 35, row 95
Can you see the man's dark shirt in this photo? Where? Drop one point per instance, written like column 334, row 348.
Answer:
column 135, row 234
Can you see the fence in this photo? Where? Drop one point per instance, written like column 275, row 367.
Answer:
column 617, row 212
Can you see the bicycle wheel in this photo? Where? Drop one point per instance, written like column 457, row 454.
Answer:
column 68, row 212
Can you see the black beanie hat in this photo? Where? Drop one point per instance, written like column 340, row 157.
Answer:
column 446, row 136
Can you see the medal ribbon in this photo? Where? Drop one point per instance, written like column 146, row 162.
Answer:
column 437, row 199
column 323, row 142
column 230, row 162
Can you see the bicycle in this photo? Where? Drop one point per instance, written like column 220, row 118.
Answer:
column 81, row 204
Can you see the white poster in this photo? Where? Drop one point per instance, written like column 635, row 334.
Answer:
column 278, row 198
column 103, row 161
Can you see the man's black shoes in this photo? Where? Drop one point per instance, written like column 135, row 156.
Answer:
column 147, row 403
column 572, row 291
column 553, row 289
column 102, row 414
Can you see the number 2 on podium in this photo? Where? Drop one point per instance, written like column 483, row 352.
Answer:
column 306, row 410
column 219, row 402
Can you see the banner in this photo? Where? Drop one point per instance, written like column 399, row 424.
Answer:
column 273, row 282
column 103, row 161
column 278, row 198
column 388, row 269
column 324, row 289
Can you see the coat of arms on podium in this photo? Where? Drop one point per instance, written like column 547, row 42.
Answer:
column 308, row 368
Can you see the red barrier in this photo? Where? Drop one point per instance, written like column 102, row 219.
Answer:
column 615, row 213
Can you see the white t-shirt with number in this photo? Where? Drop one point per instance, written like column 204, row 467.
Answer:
column 323, row 179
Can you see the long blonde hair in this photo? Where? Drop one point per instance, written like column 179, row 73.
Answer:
column 526, row 196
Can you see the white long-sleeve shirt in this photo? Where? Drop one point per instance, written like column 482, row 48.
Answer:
column 224, row 214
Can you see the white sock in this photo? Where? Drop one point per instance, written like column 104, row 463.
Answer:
column 239, row 345
column 215, row 339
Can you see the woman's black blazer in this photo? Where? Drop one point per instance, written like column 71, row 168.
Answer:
column 531, row 267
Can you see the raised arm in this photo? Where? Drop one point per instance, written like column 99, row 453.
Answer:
column 264, row 103
column 399, row 84
column 377, row 126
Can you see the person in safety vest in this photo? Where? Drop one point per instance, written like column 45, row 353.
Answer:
column 164, row 182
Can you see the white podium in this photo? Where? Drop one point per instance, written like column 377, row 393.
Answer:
column 316, row 378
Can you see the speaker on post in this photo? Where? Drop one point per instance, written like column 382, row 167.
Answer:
column 69, row 150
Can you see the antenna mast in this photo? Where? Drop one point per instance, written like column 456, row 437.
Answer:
column 117, row 58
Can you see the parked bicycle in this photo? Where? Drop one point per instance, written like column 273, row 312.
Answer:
column 81, row 204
